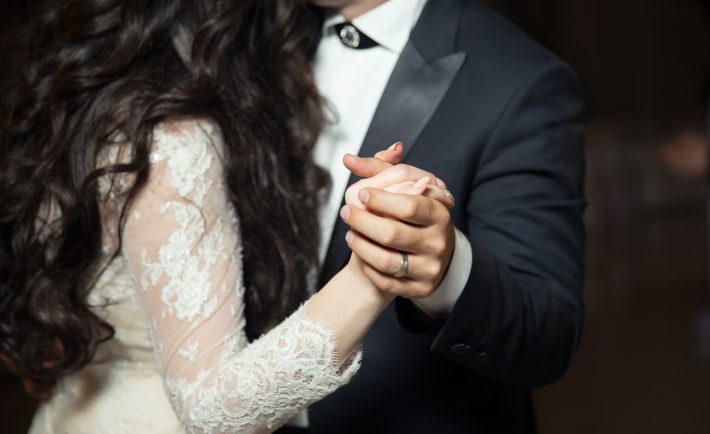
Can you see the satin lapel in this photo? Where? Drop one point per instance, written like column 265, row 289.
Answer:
column 422, row 76
column 410, row 99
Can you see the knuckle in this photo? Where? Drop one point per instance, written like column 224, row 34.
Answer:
column 357, row 246
column 427, row 290
column 419, row 291
column 387, row 284
column 415, row 240
column 389, row 235
column 445, row 214
column 436, row 245
column 435, row 268
column 394, row 263
column 409, row 209
column 427, row 210
column 354, row 245
column 384, row 262
column 437, row 208
column 440, row 246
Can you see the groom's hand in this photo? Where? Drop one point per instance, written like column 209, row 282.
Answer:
column 391, row 223
column 371, row 166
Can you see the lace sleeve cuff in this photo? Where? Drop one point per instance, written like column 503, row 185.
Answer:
column 267, row 382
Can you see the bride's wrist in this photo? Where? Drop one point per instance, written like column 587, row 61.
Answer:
column 353, row 273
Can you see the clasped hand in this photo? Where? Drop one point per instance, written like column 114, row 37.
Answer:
column 398, row 209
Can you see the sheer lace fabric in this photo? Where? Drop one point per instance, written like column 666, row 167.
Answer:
column 181, row 272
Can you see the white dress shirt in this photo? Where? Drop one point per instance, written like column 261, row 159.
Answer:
column 352, row 81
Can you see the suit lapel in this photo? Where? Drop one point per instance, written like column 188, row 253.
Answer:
column 419, row 81
column 410, row 99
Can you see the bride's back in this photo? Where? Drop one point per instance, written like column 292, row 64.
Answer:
column 121, row 390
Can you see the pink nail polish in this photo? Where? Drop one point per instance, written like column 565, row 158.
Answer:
column 349, row 237
column 441, row 183
column 363, row 196
column 345, row 212
column 394, row 146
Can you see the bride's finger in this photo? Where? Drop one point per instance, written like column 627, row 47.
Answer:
column 394, row 175
column 440, row 194
column 425, row 188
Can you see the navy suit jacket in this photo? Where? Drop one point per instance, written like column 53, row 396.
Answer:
column 497, row 117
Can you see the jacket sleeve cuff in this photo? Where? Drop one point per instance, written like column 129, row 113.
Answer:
column 461, row 335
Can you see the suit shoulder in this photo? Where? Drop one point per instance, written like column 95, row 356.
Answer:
column 490, row 39
column 504, row 67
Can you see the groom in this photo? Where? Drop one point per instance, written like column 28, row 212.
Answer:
column 491, row 303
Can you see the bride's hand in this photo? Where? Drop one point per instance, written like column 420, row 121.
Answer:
column 423, row 186
column 383, row 171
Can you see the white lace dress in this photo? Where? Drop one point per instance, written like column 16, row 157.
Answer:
column 180, row 361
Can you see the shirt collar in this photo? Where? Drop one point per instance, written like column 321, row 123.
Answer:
column 388, row 24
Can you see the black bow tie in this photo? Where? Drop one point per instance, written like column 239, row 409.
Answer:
column 352, row 37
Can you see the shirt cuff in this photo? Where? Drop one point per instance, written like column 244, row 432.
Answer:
column 442, row 301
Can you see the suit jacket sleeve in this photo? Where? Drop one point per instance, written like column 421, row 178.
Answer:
column 519, row 317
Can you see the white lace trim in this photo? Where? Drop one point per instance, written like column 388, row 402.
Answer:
column 266, row 383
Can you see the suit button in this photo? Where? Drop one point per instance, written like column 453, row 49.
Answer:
column 479, row 356
column 461, row 349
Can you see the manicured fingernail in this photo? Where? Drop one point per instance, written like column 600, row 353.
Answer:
column 354, row 156
column 394, row 146
column 349, row 237
column 441, row 183
column 345, row 212
column 363, row 196
column 421, row 183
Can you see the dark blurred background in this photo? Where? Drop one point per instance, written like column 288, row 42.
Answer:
column 644, row 361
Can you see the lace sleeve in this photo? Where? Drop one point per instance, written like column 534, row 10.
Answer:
column 182, row 245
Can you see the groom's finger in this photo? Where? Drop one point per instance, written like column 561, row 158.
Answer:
column 396, row 174
column 382, row 230
column 415, row 209
column 388, row 261
column 392, row 155
column 369, row 166
column 398, row 286
column 365, row 167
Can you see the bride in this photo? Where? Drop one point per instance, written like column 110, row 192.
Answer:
column 158, row 206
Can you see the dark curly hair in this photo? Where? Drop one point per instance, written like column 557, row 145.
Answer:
column 85, row 70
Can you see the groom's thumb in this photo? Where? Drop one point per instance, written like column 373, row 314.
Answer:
column 371, row 166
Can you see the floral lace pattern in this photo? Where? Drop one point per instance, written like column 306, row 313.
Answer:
column 182, row 247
